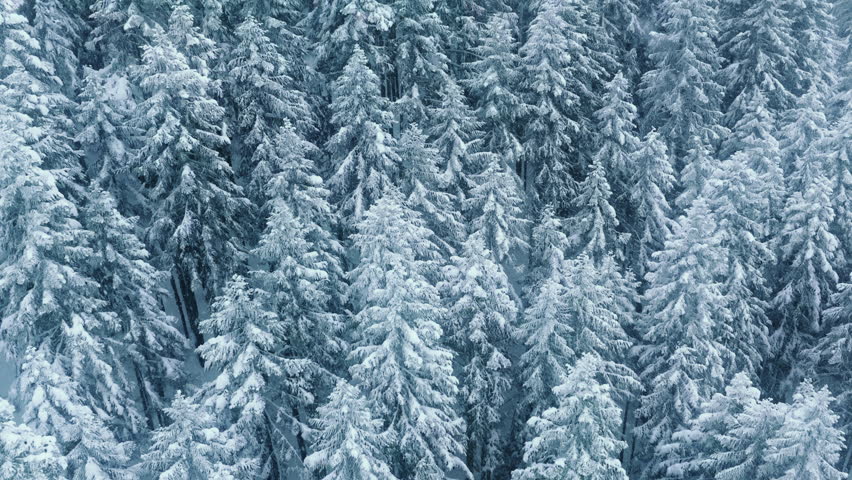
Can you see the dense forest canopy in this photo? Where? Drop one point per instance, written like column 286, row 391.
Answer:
column 426, row 239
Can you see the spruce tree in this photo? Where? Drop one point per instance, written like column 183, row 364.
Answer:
column 594, row 227
column 190, row 446
column 683, row 360
column 682, row 91
column 258, row 388
column 579, row 438
column 615, row 125
column 350, row 441
column 24, row 453
column 405, row 373
column 808, row 444
column 482, row 324
column 198, row 211
column 362, row 152
column 651, row 180
column 494, row 81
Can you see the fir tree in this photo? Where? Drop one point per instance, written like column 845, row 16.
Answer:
column 743, row 451
column 616, row 131
column 548, row 134
column 494, row 80
column 483, row 321
column 24, row 453
column 683, row 95
column 455, row 132
column 263, row 97
column 349, row 443
column 495, row 207
column 683, row 358
column 406, row 375
column 190, row 446
column 809, row 253
column 258, row 386
column 594, row 226
column 54, row 408
column 580, row 438
column 808, row 445
column 419, row 61
column 424, row 187
column 362, row 152
column 651, row 180
column 198, row 210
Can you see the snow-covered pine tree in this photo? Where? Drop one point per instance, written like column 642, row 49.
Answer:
column 548, row 170
column 738, row 212
column 198, row 212
column 683, row 359
column 695, row 451
column 349, row 442
column 24, row 453
column 423, row 185
column 548, row 247
column 581, row 437
column 51, row 406
column 337, row 28
column 120, row 28
column 259, row 389
column 683, row 97
column 191, row 446
column 759, row 56
column 363, row 157
column 496, row 208
column 59, row 30
column 573, row 312
column 808, row 445
column 700, row 163
column 145, row 348
column 652, row 178
column 615, row 127
column 743, row 451
column 622, row 25
column 105, row 105
column 752, row 139
column 264, row 98
column 494, row 81
column 482, row 323
column 455, row 132
column 809, row 257
column 405, row 373
column 300, row 256
column 814, row 30
column 594, row 227
column 420, row 64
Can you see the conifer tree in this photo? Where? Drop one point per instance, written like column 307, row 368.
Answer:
column 259, row 385
column 482, row 316
column 338, row 28
column 682, row 91
column 263, row 95
column 495, row 207
column 455, row 132
column 494, row 81
column 198, row 210
column 699, row 166
column 424, row 187
column 683, row 360
column 363, row 155
column 594, row 227
column 24, row 453
column 695, row 451
column 616, row 132
column 809, row 253
column 54, row 407
column 548, row 133
column 759, row 51
column 418, row 58
column 651, row 180
column 405, row 374
column 579, row 438
column 300, row 257
column 350, row 441
column 190, row 446
column 808, row 444
column 743, row 451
